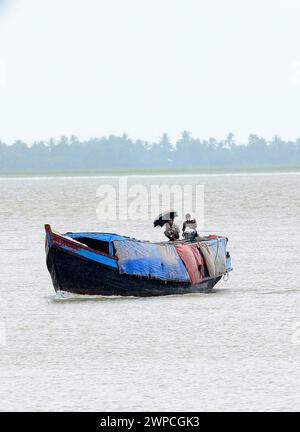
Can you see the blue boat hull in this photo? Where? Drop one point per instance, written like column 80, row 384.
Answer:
column 80, row 275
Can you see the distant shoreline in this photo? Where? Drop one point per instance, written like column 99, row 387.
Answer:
column 164, row 171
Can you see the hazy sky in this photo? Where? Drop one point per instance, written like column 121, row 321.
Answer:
column 95, row 67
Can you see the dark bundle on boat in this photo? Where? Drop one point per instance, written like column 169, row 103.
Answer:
column 111, row 264
column 164, row 217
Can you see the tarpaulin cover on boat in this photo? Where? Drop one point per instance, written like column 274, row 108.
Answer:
column 193, row 261
column 151, row 260
column 214, row 253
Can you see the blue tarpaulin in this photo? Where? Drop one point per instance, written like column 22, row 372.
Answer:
column 150, row 260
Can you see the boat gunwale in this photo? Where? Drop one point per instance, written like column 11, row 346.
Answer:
column 68, row 239
column 73, row 242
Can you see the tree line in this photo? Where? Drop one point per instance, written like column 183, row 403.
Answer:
column 121, row 152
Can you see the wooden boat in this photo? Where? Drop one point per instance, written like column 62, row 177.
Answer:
column 87, row 263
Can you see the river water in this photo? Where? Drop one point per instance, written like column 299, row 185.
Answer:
column 237, row 348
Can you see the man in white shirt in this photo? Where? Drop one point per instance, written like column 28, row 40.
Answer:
column 189, row 231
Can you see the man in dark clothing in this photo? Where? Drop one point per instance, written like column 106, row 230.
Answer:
column 172, row 230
